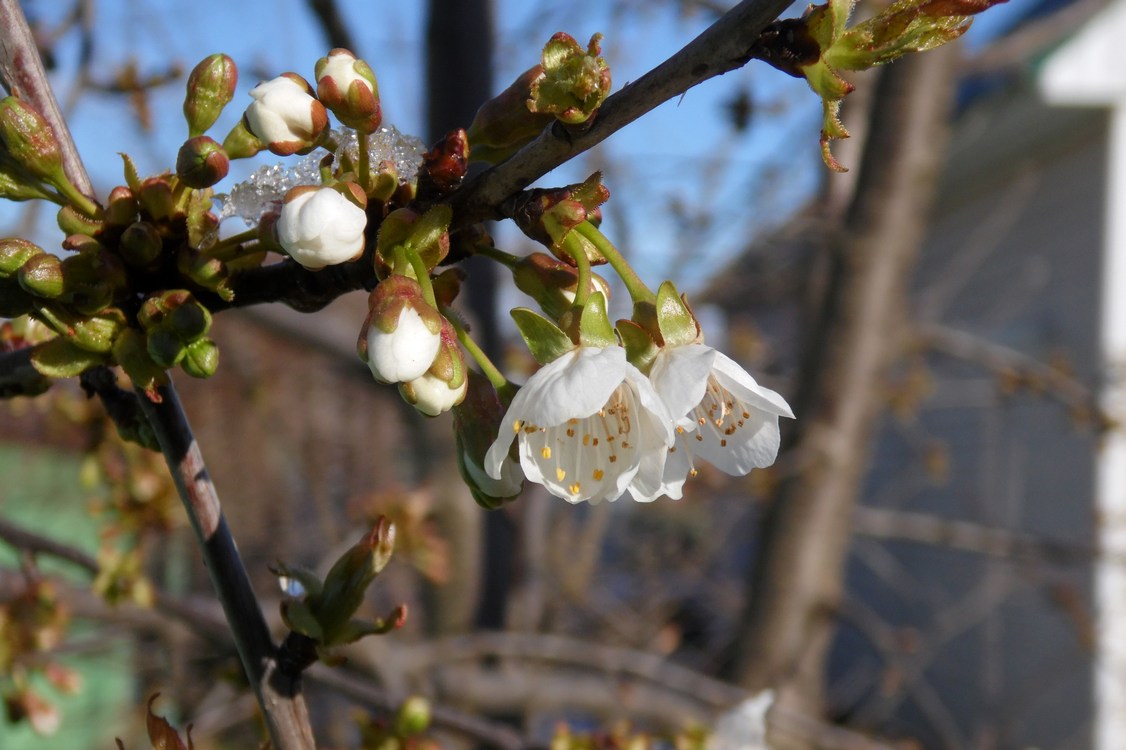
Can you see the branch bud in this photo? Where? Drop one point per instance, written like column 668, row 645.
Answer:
column 30, row 141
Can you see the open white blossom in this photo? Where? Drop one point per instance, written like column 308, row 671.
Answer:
column 722, row 415
column 586, row 424
column 320, row 227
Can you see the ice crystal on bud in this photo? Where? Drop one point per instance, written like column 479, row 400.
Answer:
column 264, row 189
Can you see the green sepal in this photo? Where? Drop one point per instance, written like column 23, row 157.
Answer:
column 132, row 179
column 677, row 323
column 545, row 340
column 241, row 143
column 299, row 617
column 73, row 221
column 595, row 328
column 60, row 358
column 355, row 629
column 94, row 333
column 640, row 347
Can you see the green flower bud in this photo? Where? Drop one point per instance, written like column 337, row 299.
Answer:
column 131, row 352
column 42, row 275
column 211, row 86
column 156, row 197
column 122, row 207
column 552, row 283
column 201, row 359
column 190, row 320
column 348, row 579
column 201, row 162
column 73, row 221
column 14, row 252
column 164, row 346
column 29, row 140
column 141, row 244
column 413, row 717
column 93, row 333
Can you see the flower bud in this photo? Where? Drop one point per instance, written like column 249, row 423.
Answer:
column 29, row 140
column 211, row 86
column 347, row 86
column 121, row 207
column 140, row 244
column 443, row 386
column 93, row 276
column 413, row 717
column 14, row 252
column 93, row 333
column 319, row 226
column 130, row 350
column 201, row 359
column 348, row 579
column 190, row 320
column 476, row 422
column 164, row 346
column 551, row 283
column 156, row 198
column 402, row 333
column 42, row 275
column 73, row 221
column 284, row 115
column 201, row 162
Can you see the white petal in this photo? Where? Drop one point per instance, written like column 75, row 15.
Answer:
column 753, row 446
column 404, row 354
column 737, row 380
column 680, row 375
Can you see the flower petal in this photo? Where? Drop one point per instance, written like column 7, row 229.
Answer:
column 680, row 375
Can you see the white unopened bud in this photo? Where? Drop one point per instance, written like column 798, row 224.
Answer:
column 285, row 116
column 319, row 227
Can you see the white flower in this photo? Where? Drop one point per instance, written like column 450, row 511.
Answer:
column 284, row 115
column 320, row 227
column 587, row 424
column 722, row 415
column 405, row 353
column 744, row 726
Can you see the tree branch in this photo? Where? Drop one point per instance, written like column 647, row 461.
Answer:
column 722, row 47
column 279, row 695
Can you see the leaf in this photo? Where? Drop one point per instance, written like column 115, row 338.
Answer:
column 161, row 734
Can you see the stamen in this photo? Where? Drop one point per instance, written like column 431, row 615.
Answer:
column 598, row 474
column 575, row 488
column 546, row 451
column 560, row 475
column 516, row 426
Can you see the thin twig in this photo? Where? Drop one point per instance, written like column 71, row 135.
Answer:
column 278, row 694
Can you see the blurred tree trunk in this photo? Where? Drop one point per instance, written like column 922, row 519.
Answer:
column 797, row 579
column 459, row 73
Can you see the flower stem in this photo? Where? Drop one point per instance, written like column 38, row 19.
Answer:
column 364, row 166
column 582, row 264
column 494, row 253
column 488, row 369
column 422, row 274
column 222, row 248
column 76, row 198
column 637, row 289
